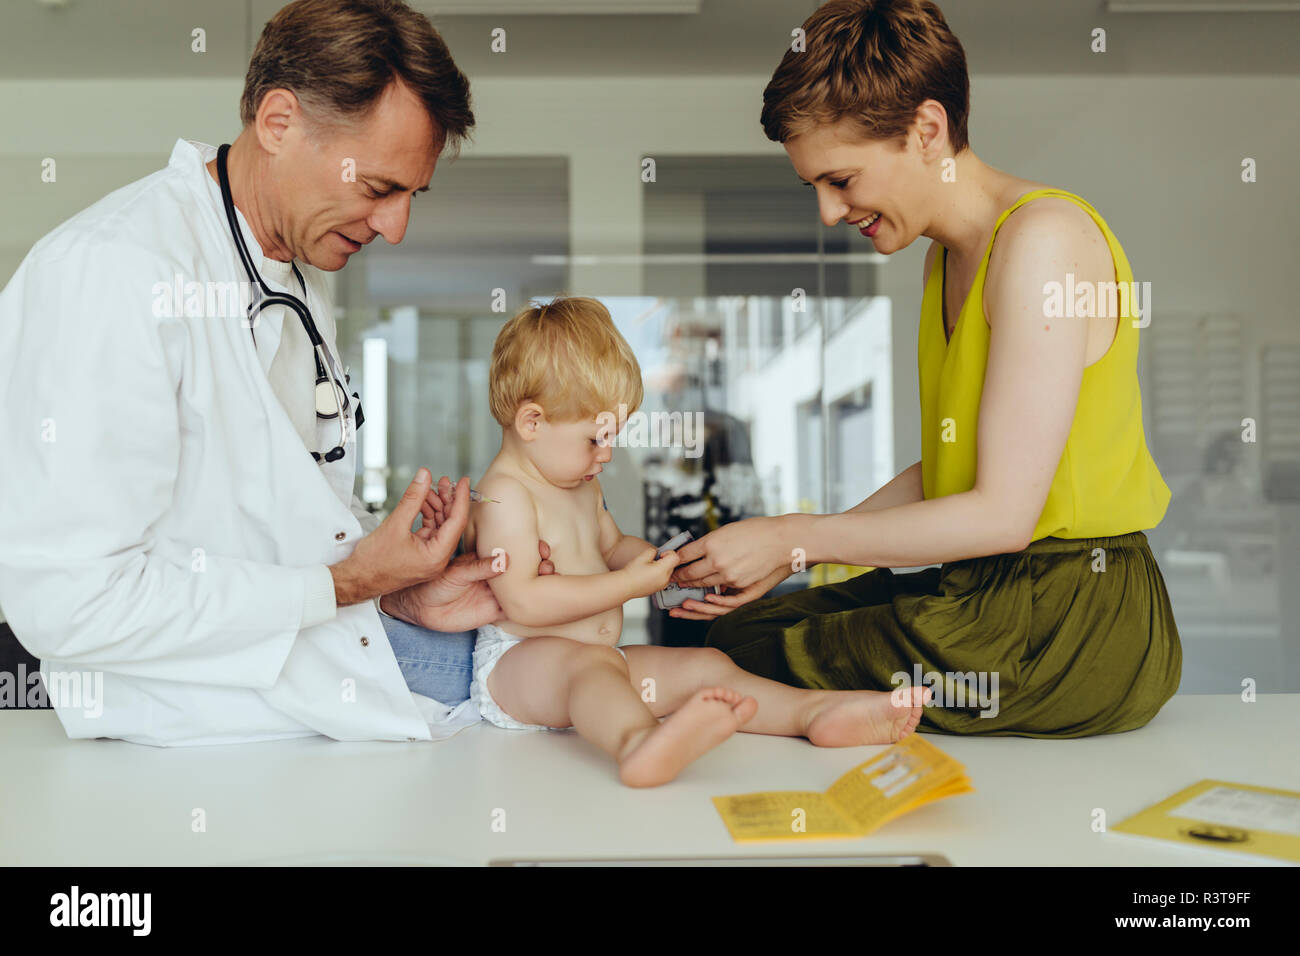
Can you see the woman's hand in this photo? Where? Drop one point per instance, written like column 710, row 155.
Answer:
column 715, row 605
column 738, row 555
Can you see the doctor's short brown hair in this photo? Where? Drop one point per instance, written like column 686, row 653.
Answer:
column 338, row 57
column 874, row 61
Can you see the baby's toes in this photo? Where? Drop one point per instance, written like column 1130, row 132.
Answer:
column 744, row 709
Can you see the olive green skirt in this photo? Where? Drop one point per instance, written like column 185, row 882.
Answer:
column 1068, row 638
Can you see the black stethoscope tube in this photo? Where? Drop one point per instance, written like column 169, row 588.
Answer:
column 266, row 298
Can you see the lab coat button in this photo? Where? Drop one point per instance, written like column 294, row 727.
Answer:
column 365, row 642
column 340, row 536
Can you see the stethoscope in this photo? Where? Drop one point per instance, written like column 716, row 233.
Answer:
column 331, row 395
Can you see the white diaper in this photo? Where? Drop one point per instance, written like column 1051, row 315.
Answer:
column 489, row 645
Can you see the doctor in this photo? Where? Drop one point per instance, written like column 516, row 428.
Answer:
column 176, row 508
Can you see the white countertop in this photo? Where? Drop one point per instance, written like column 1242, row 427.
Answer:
column 110, row 803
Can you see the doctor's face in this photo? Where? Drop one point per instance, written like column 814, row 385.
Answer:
column 352, row 184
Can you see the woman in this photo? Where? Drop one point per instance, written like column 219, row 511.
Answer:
column 1035, row 479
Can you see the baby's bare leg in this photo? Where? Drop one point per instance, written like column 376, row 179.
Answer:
column 560, row 683
column 826, row 717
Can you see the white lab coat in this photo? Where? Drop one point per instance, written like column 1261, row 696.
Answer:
column 161, row 522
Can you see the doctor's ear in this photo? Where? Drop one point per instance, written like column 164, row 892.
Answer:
column 527, row 420
column 278, row 111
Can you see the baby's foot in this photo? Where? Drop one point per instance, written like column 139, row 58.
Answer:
column 706, row 720
column 854, row 718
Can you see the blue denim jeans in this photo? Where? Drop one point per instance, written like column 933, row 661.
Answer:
column 434, row 663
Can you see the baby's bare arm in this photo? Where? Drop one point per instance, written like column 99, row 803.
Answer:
column 510, row 523
column 616, row 547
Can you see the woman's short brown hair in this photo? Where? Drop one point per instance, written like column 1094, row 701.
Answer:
column 338, row 56
column 874, row 61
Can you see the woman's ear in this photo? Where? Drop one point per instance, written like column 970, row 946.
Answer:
column 528, row 418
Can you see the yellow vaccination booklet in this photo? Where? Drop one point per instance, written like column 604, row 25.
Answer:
column 1214, row 814
column 894, row 782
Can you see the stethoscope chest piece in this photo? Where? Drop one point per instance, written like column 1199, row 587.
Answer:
column 327, row 399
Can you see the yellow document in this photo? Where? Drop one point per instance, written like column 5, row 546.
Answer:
column 1214, row 814
column 902, row 778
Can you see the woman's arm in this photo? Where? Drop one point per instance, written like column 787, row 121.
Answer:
column 903, row 488
column 951, row 528
column 1027, row 407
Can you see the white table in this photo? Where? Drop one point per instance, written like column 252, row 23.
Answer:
column 313, row 800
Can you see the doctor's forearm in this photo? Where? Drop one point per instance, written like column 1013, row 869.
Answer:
column 234, row 625
column 933, row 531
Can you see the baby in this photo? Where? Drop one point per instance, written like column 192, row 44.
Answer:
column 558, row 372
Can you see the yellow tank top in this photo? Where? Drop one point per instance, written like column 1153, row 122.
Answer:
column 1106, row 482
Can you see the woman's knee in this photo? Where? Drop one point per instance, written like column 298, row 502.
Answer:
column 732, row 628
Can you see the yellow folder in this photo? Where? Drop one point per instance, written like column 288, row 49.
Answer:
column 907, row 775
column 1215, row 814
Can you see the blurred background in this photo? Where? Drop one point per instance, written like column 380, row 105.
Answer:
column 809, row 398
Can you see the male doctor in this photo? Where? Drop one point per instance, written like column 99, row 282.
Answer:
column 164, row 525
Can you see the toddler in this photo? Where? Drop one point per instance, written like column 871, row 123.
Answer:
column 558, row 374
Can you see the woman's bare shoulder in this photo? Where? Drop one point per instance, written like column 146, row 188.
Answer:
column 1051, row 217
column 1044, row 240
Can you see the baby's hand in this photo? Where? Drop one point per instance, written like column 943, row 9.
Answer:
column 648, row 574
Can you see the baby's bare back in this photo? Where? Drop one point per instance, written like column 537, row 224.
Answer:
column 568, row 521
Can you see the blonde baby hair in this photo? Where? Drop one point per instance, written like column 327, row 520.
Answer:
column 566, row 356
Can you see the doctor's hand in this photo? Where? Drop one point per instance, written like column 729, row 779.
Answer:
column 393, row 557
column 459, row 599
column 437, row 506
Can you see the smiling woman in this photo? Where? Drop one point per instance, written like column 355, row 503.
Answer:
column 1035, row 480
